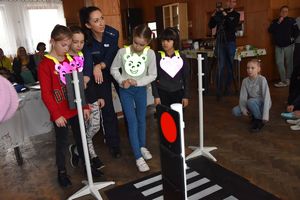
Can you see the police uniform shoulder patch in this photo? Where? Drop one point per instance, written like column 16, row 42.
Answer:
column 111, row 32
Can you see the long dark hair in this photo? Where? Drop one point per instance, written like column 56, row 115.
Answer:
column 84, row 15
column 171, row 34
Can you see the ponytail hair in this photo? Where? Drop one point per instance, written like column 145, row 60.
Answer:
column 142, row 31
column 84, row 16
column 60, row 32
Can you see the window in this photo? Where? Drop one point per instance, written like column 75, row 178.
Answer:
column 152, row 26
column 41, row 31
column 6, row 42
column 25, row 23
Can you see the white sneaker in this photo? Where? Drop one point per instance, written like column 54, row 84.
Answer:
column 280, row 84
column 293, row 121
column 295, row 127
column 145, row 153
column 142, row 165
column 287, row 82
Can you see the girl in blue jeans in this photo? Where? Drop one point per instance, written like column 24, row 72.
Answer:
column 255, row 99
column 138, row 68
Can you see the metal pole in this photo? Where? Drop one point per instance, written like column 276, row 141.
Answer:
column 200, row 94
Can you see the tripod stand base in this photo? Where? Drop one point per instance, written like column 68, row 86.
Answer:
column 204, row 151
column 91, row 189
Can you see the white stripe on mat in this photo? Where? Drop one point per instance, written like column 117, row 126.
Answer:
column 189, row 187
column 204, row 193
column 152, row 190
column 197, row 184
column 231, row 198
column 159, row 177
column 147, row 181
column 159, row 198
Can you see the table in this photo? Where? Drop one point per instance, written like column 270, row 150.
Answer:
column 247, row 54
column 31, row 118
column 239, row 55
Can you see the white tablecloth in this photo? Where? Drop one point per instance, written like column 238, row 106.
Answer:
column 32, row 118
column 238, row 54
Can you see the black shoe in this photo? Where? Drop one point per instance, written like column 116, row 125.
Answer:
column 97, row 163
column 63, row 179
column 96, row 173
column 227, row 92
column 257, row 126
column 115, row 152
column 74, row 158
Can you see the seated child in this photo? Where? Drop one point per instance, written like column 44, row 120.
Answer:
column 255, row 100
column 293, row 105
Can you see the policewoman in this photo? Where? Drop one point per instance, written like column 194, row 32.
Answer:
column 99, row 51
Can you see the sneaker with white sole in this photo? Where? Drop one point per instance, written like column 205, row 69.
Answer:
column 293, row 121
column 74, row 158
column 146, row 153
column 295, row 127
column 280, row 84
column 288, row 115
column 142, row 165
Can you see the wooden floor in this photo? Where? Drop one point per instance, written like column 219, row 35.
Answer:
column 269, row 159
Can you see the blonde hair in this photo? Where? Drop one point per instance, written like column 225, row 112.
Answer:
column 257, row 62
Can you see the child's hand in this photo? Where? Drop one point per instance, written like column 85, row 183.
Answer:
column 61, row 122
column 86, row 114
column 86, row 79
column 101, row 103
column 297, row 113
column 246, row 112
column 290, row 108
column 185, row 102
column 132, row 82
column 157, row 101
column 98, row 74
column 126, row 84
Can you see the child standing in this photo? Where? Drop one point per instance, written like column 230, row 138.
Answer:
column 255, row 97
column 138, row 66
column 95, row 104
column 53, row 91
column 172, row 82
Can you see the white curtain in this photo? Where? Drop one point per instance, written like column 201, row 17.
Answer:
column 27, row 22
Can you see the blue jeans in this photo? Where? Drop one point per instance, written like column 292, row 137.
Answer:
column 255, row 107
column 134, row 105
column 225, row 58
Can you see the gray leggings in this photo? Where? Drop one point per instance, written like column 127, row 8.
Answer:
column 284, row 55
column 93, row 126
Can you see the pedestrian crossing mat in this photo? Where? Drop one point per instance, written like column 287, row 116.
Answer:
column 205, row 180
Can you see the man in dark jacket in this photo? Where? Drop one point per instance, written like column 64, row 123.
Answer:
column 284, row 30
column 227, row 21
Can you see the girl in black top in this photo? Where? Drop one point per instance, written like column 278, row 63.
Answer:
column 172, row 82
